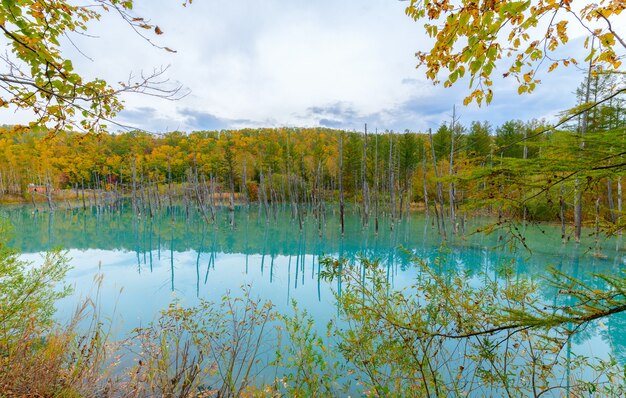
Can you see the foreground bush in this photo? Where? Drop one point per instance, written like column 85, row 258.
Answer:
column 451, row 334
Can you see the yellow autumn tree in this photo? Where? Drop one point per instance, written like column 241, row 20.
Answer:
column 473, row 37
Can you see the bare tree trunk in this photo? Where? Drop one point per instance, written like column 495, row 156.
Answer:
column 341, row 205
column 619, row 199
column 577, row 211
column 609, row 192
column 562, row 203
column 199, row 196
column 134, row 185
column 409, row 193
column 32, row 199
column 231, row 178
column 376, row 185
column 93, row 192
column 451, row 187
column 598, row 251
column 49, row 192
column 525, row 155
column 82, row 185
column 244, row 184
column 365, row 189
column 169, row 186
column 392, row 184
column 578, row 200
column 263, row 196
column 439, row 188
column 212, row 196
column 425, row 180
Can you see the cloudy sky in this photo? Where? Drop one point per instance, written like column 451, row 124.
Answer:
column 332, row 63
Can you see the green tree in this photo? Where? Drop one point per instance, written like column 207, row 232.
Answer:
column 442, row 139
column 479, row 139
column 510, row 139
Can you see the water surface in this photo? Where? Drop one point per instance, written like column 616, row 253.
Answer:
column 148, row 262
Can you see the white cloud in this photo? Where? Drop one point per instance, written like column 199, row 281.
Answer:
column 265, row 63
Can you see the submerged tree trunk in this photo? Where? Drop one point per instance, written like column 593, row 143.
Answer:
column 244, row 184
column 525, row 156
column 577, row 211
column 49, row 192
column 609, row 193
column 451, row 186
column 341, row 205
column 562, row 214
column 425, row 180
column 619, row 200
column 365, row 188
column 376, row 185
column 578, row 200
column 169, row 187
column 392, row 185
column 82, row 185
column 439, row 188
column 598, row 250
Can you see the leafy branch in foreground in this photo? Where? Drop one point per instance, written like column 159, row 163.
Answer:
column 479, row 38
column 450, row 334
column 37, row 75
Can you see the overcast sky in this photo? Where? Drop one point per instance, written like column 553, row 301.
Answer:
column 270, row 63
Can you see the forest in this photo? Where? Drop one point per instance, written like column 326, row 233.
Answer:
column 568, row 173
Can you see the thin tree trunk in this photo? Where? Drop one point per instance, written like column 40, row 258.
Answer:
column 609, row 192
column 562, row 203
column 425, row 180
column 134, row 185
column 392, row 184
column 169, row 187
column 439, row 188
column 376, row 185
column 82, row 185
column 619, row 200
column 365, row 193
column 598, row 251
column 244, row 184
column 341, row 205
column 524, row 215
column 49, row 192
column 451, row 186
column 578, row 200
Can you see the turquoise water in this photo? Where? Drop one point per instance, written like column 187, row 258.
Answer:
column 148, row 262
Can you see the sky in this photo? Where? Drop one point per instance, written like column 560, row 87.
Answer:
column 271, row 63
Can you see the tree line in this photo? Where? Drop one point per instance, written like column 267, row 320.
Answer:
column 571, row 173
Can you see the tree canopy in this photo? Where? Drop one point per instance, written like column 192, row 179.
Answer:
column 474, row 37
column 36, row 74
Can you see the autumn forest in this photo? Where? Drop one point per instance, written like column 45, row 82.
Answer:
column 528, row 171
